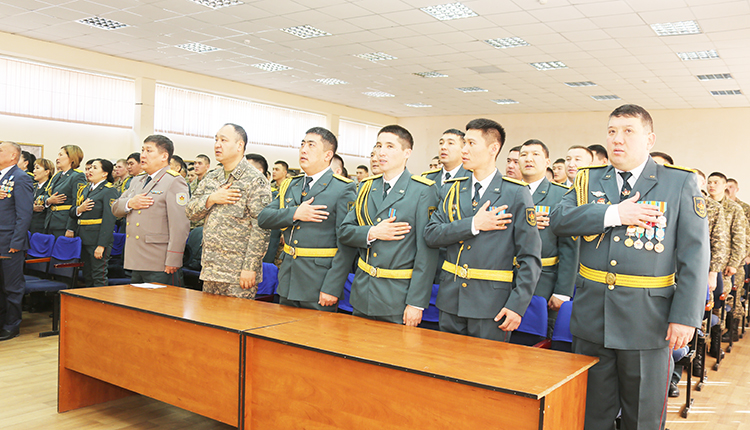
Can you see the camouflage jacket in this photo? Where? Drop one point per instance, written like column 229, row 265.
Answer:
column 746, row 211
column 719, row 234
column 737, row 224
column 232, row 240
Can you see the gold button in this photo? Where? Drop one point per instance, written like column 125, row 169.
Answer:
column 613, row 263
column 611, row 287
column 466, row 266
column 297, row 227
column 137, row 224
column 378, row 220
column 137, row 237
column 468, row 247
column 616, row 238
column 127, row 236
column 139, row 212
column 295, row 242
column 464, row 285
column 127, row 223
column 460, row 242
column 374, row 254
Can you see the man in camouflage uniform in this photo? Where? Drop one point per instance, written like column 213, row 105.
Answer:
column 732, row 188
column 230, row 200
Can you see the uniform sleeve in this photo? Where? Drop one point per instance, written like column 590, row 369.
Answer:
column 108, row 218
column 259, row 197
column 196, row 208
column 78, row 183
column 335, row 279
column 567, row 266
column 719, row 237
column 179, row 226
column 440, row 232
column 272, row 217
column 351, row 233
column 737, row 231
column 426, row 259
column 528, row 253
column 568, row 219
column 23, row 193
column 120, row 207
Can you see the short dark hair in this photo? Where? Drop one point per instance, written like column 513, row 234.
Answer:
column 326, row 136
column 490, row 129
column 163, row 143
column 407, row 141
column 338, row 158
column 599, row 149
column 730, row 180
column 635, row 111
column 283, row 163
column 107, row 166
column 559, row 160
column 30, row 159
column 584, row 148
column 663, row 155
column 363, row 167
column 516, row 148
column 241, row 132
column 260, row 160
column 180, row 161
column 718, row 175
column 537, row 142
column 135, row 156
column 203, row 157
column 455, row 131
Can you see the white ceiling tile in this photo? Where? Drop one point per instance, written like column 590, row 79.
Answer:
column 557, row 14
column 625, row 20
column 651, row 5
column 573, row 25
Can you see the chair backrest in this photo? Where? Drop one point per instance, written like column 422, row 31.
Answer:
column 66, row 250
column 432, row 313
column 561, row 332
column 344, row 302
column 270, row 280
column 41, row 245
column 118, row 244
column 534, row 320
column 194, row 249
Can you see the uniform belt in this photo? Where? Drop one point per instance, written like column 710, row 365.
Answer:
column 631, row 281
column 56, row 208
column 309, row 252
column 546, row 262
column 484, row 274
column 377, row 272
column 89, row 221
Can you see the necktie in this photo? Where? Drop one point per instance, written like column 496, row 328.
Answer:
column 148, row 179
column 475, row 199
column 306, row 188
column 447, row 176
column 386, row 187
column 625, row 190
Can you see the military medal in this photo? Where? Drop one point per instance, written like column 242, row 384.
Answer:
column 649, row 235
column 659, row 248
column 639, row 233
column 391, row 213
column 630, row 232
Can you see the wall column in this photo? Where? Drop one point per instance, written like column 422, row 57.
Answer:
column 145, row 94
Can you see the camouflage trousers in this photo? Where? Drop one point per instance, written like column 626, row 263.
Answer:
column 739, row 282
column 227, row 289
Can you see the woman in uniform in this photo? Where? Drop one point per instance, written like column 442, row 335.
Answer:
column 43, row 170
column 62, row 191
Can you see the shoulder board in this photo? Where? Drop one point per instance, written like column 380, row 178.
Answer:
column 560, row 185
column 373, row 177
column 342, row 178
column 515, row 181
column 460, row 178
column 672, row 166
column 172, row 172
column 423, row 180
column 109, row 185
column 141, row 174
column 594, row 167
column 30, row 174
column 298, row 176
column 78, row 170
column 274, row 189
column 425, row 173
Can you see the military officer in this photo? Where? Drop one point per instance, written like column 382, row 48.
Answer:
column 309, row 209
column 479, row 294
column 511, row 164
column 559, row 254
column 155, row 208
column 230, row 200
column 63, row 190
column 93, row 214
column 395, row 267
column 643, row 271
column 43, row 170
column 451, row 143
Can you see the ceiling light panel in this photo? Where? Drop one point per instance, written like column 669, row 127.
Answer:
column 606, row 97
column 449, row 11
column 504, row 101
column 197, row 47
column 727, row 93
column 217, row 4
column 431, row 74
column 305, row 31
column 376, row 56
column 678, row 28
column 507, row 42
column 330, row 81
column 580, row 84
column 711, row 54
column 418, row 105
column 471, row 90
column 715, row 77
column 549, row 65
column 271, row 67
column 102, row 23
column 378, row 94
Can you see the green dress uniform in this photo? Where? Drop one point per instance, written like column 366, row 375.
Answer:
column 391, row 273
column 314, row 260
column 38, row 218
column 71, row 184
column 437, row 175
column 629, row 291
column 478, row 280
column 95, row 228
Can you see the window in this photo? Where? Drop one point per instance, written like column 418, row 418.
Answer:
column 356, row 138
column 49, row 92
column 194, row 113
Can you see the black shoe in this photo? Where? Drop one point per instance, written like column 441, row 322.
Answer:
column 6, row 334
column 673, row 390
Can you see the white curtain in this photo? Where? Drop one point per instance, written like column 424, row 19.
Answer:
column 356, row 138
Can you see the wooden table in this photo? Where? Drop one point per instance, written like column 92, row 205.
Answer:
column 342, row 372
column 176, row 345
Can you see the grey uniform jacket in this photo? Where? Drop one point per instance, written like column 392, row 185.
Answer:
column 71, row 184
column 412, row 199
column 489, row 250
column 437, row 175
column 104, row 196
column 620, row 317
column 156, row 235
column 303, row 278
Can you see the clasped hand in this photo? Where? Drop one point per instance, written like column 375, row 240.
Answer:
column 308, row 212
column 639, row 215
column 488, row 220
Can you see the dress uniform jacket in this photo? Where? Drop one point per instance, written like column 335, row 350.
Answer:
column 303, row 276
column 156, row 235
column 232, row 239
column 450, row 227
column 38, row 218
column 560, row 277
column 437, row 175
column 635, row 317
column 410, row 200
column 95, row 227
column 71, row 184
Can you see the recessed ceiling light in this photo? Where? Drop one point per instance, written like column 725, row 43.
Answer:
column 378, row 94
column 549, row 65
column 271, row 67
column 376, row 56
column 507, row 42
column 711, row 54
column 727, row 93
column 471, row 90
column 715, row 77
column 449, row 11
column 580, row 84
column 103, row 23
column 305, row 31
column 504, row 101
column 607, row 97
column 217, row 4
column 676, row 28
column 418, row 105
column 330, row 81
column 431, row 74
column 197, row 47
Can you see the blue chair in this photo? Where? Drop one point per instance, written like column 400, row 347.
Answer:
column 344, row 305
column 115, row 270
column 562, row 339
column 432, row 313
column 40, row 247
column 267, row 288
column 533, row 326
column 118, row 244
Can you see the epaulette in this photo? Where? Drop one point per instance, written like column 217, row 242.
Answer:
column 342, row 178
column 141, row 174
column 372, row 177
column 274, row 189
column 423, row 180
column 297, row 176
column 430, row 171
column 560, row 185
column 594, row 167
column 516, row 181
column 672, row 166
column 30, row 174
column 172, row 172
column 78, row 170
column 460, row 178
column 108, row 185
